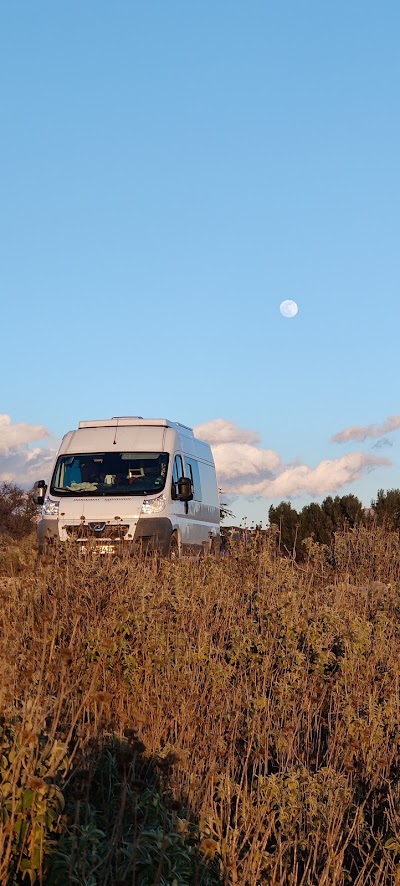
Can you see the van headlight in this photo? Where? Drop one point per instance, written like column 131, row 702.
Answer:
column 50, row 507
column 154, row 505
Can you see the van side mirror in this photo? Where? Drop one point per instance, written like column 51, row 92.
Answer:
column 39, row 492
column 185, row 489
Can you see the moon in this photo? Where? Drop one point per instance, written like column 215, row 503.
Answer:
column 288, row 308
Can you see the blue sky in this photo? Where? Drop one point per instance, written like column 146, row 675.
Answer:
column 170, row 172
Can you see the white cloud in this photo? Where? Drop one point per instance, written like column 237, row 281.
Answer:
column 12, row 436
column 236, row 453
column 361, row 432
column 242, row 459
column 219, row 430
column 327, row 477
column 19, row 463
column 244, row 468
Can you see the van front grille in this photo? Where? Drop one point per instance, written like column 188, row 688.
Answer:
column 99, row 530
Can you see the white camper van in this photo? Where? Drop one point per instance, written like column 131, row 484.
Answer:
column 131, row 482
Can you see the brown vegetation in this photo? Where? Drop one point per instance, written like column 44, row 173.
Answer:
column 231, row 720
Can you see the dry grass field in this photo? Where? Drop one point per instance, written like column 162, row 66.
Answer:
column 231, row 720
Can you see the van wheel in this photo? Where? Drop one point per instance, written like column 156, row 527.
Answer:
column 46, row 553
column 174, row 548
column 215, row 546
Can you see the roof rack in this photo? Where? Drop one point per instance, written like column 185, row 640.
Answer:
column 121, row 421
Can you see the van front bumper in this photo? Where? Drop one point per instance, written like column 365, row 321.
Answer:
column 151, row 534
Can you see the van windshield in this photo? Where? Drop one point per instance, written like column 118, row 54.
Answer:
column 110, row 473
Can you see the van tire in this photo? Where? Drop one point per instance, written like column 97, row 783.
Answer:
column 174, row 551
column 46, row 553
column 215, row 546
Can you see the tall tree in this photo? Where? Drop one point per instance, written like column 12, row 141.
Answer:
column 387, row 508
column 287, row 520
column 224, row 511
column 17, row 510
column 315, row 523
column 346, row 510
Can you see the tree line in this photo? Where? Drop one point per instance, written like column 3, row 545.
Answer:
column 321, row 521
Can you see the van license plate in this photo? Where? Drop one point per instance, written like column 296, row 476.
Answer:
column 107, row 549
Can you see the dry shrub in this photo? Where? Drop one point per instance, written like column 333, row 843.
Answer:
column 253, row 703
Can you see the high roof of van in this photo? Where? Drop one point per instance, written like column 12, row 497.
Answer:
column 120, row 421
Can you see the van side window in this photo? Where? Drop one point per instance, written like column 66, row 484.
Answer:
column 177, row 473
column 192, row 471
column 177, row 470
